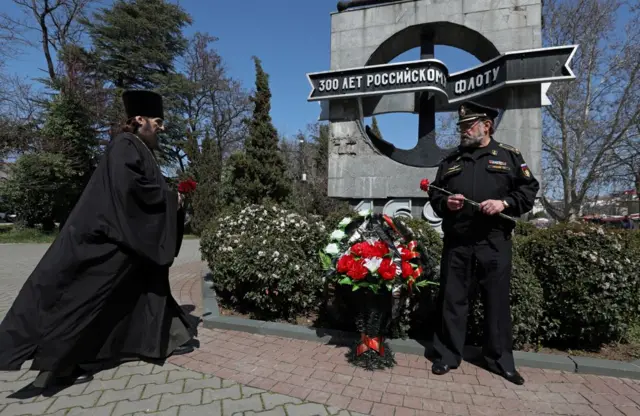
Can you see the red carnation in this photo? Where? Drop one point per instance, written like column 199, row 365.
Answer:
column 357, row 270
column 345, row 263
column 406, row 254
column 424, row 185
column 407, row 269
column 362, row 249
column 187, row 186
column 387, row 269
column 380, row 249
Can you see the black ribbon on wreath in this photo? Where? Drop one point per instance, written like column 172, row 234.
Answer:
column 373, row 320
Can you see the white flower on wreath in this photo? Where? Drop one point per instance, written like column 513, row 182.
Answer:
column 332, row 249
column 373, row 264
column 344, row 222
column 364, row 212
column 337, row 235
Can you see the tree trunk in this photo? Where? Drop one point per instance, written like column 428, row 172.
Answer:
column 637, row 177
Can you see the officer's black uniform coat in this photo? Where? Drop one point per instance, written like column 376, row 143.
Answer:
column 102, row 290
column 496, row 171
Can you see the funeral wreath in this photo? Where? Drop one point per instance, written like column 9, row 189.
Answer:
column 378, row 258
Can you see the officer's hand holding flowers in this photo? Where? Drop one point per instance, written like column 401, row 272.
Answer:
column 492, row 207
column 455, row 202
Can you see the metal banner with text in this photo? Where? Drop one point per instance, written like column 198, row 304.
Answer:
column 512, row 68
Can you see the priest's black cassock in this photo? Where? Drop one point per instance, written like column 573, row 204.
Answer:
column 102, row 290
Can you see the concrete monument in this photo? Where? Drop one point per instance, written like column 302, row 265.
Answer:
column 367, row 34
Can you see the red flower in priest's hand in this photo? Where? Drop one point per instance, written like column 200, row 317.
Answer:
column 424, row 185
column 187, row 186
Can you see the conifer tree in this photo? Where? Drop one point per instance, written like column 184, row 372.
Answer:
column 259, row 173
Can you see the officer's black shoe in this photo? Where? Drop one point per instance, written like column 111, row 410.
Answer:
column 439, row 368
column 514, row 377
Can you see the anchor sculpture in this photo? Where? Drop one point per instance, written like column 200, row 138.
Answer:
column 426, row 153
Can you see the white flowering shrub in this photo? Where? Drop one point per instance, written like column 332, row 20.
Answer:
column 263, row 260
column 590, row 282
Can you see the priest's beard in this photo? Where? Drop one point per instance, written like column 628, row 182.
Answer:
column 148, row 135
column 472, row 140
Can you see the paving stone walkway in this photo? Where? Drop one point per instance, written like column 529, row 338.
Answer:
column 139, row 388
column 237, row 373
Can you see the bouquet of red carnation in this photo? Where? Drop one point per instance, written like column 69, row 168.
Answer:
column 187, row 186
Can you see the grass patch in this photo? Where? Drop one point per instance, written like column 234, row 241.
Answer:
column 190, row 237
column 12, row 235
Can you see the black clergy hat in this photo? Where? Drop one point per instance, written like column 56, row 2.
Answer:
column 142, row 103
column 469, row 111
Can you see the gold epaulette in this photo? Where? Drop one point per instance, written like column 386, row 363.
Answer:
column 509, row 148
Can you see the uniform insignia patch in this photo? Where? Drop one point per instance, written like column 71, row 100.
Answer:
column 500, row 168
column 497, row 163
column 510, row 148
column 525, row 170
column 494, row 152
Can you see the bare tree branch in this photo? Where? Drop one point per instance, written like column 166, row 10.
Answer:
column 56, row 22
column 592, row 116
column 213, row 103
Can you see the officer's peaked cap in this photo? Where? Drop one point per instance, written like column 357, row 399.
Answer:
column 469, row 111
column 143, row 103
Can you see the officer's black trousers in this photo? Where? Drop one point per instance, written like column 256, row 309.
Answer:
column 490, row 262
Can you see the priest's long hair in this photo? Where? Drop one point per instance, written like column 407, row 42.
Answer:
column 131, row 126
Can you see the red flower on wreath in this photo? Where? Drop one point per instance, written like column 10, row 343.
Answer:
column 345, row 263
column 387, row 269
column 187, row 186
column 362, row 249
column 366, row 250
column 407, row 269
column 357, row 270
column 380, row 249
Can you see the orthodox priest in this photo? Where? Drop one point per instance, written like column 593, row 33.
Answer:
column 101, row 291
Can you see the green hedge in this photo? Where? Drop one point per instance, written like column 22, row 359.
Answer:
column 590, row 277
column 264, row 261
column 573, row 286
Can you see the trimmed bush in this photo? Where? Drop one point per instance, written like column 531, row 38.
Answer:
column 525, row 229
column 590, row 283
column 264, row 261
